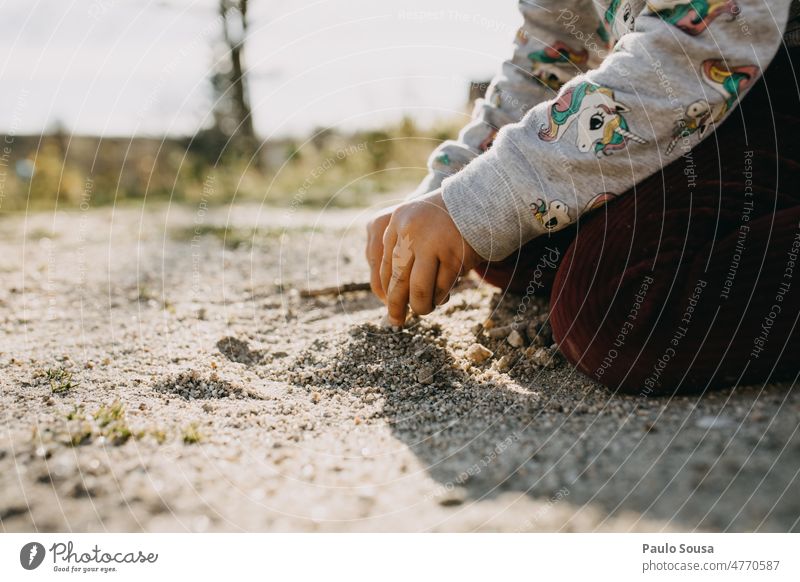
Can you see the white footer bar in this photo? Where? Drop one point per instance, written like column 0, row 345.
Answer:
column 402, row 557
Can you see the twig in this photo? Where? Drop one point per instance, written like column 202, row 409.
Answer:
column 335, row 290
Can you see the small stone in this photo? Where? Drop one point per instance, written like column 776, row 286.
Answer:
column 499, row 332
column 540, row 357
column 453, row 497
column 425, row 375
column 515, row 339
column 478, row 353
column 505, row 363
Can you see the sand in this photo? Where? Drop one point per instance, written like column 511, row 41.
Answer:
column 158, row 380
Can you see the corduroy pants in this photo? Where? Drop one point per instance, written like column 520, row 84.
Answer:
column 691, row 280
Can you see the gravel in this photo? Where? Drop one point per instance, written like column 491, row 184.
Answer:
column 191, row 385
column 242, row 406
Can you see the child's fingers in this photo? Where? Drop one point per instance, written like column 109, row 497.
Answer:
column 376, row 230
column 422, row 284
column 375, row 282
column 389, row 241
column 397, row 290
column 374, row 259
column 445, row 280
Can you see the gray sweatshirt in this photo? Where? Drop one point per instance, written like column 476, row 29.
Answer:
column 598, row 96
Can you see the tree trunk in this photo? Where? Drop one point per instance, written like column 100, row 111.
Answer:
column 234, row 22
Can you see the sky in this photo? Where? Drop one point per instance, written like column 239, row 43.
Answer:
column 140, row 67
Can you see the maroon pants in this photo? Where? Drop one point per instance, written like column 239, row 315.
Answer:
column 692, row 279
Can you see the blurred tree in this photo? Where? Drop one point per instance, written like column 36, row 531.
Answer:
column 233, row 118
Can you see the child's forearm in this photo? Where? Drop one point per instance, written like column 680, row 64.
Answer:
column 663, row 88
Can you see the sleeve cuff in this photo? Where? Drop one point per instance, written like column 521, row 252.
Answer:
column 491, row 218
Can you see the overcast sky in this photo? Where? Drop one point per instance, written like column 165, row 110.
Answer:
column 120, row 67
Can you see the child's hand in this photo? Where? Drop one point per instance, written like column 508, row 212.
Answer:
column 375, row 230
column 422, row 256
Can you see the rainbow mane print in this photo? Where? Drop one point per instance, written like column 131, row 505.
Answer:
column 599, row 201
column 559, row 52
column 601, row 125
column 555, row 65
column 729, row 82
column 692, row 16
column 700, row 116
column 567, row 105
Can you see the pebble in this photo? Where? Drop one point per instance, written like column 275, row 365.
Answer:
column 515, row 339
column 505, row 363
column 499, row 332
column 453, row 497
column 425, row 375
column 478, row 353
column 541, row 357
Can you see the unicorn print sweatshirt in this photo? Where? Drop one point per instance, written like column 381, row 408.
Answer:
column 599, row 95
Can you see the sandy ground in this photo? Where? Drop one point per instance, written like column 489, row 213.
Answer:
column 160, row 381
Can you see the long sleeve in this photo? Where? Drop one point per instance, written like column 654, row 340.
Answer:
column 665, row 86
column 545, row 57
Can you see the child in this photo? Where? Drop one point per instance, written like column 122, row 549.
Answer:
column 674, row 215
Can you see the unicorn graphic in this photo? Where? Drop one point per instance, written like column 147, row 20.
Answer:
column 601, row 124
column 692, row 16
column 555, row 65
column 552, row 216
column 702, row 115
column 618, row 20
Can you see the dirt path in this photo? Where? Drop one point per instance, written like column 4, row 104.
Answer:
column 159, row 379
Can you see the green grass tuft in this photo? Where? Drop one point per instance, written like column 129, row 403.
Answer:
column 108, row 414
column 61, row 380
column 191, row 434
